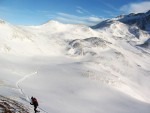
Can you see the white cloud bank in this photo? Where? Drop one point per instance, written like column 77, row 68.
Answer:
column 73, row 19
column 139, row 7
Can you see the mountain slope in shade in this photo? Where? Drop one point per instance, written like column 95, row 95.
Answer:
column 146, row 44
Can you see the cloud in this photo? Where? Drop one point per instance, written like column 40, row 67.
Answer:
column 110, row 6
column 94, row 19
column 70, row 21
column 79, row 11
column 139, row 7
column 89, row 19
column 73, row 19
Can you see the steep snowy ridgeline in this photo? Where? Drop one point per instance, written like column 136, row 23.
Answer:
column 131, row 27
column 141, row 20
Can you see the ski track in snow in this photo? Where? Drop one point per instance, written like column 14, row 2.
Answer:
column 21, row 90
column 22, row 79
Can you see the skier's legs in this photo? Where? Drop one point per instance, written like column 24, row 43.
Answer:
column 35, row 107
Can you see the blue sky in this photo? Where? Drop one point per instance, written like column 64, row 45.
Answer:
column 90, row 12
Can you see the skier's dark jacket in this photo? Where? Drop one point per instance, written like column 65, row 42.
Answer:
column 34, row 101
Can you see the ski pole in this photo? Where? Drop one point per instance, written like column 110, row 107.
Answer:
column 42, row 109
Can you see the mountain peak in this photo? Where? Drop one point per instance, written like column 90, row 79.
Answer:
column 120, row 16
column 51, row 22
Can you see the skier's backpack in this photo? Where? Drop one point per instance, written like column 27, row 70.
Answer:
column 35, row 101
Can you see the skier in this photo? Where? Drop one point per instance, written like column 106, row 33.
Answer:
column 34, row 102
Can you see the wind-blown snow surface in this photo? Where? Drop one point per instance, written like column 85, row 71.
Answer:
column 77, row 69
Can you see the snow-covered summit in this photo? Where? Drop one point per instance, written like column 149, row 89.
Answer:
column 51, row 23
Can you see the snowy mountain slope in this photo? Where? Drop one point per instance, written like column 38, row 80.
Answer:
column 134, row 28
column 87, row 46
column 76, row 68
column 44, row 39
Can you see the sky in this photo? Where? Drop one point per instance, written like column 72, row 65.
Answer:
column 89, row 12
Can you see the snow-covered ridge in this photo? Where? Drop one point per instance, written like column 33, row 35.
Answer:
column 36, row 40
column 141, row 20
